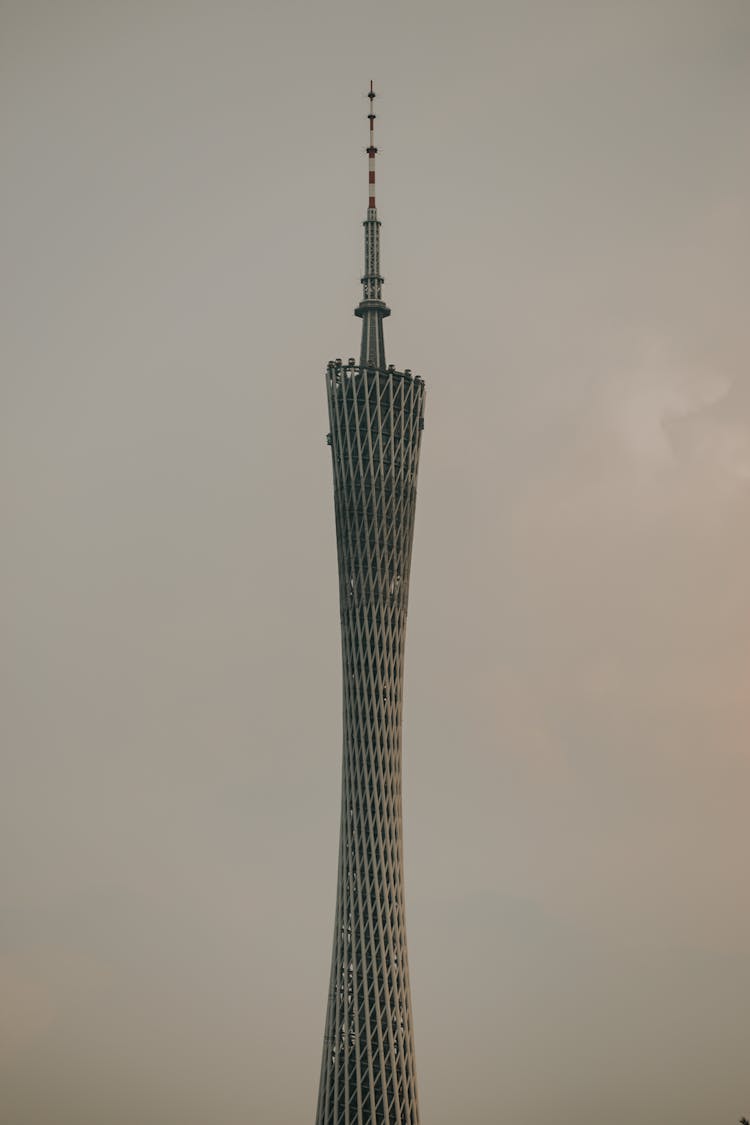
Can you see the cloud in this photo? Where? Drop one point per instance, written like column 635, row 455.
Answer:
column 667, row 414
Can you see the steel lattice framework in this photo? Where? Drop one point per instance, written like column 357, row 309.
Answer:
column 376, row 415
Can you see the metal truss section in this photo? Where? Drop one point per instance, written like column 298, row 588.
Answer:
column 372, row 308
column 368, row 1074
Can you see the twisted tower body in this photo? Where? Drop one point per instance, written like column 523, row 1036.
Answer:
column 376, row 416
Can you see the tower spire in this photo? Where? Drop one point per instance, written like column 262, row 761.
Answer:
column 372, row 308
column 371, row 151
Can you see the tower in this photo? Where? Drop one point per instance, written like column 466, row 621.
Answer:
column 376, row 416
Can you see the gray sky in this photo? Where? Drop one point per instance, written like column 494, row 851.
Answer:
column 564, row 193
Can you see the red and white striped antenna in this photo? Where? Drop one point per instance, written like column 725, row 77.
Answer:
column 371, row 148
column 372, row 309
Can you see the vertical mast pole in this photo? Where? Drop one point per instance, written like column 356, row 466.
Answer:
column 372, row 308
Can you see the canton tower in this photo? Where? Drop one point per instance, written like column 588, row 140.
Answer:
column 376, row 416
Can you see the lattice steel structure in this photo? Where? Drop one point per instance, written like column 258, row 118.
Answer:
column 376, row 415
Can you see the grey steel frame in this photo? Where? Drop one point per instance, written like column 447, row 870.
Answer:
column 368, row 1073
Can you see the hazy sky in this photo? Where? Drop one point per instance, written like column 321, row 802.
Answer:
column 564, row 189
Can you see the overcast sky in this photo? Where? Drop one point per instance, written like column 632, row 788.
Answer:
column 564, row 189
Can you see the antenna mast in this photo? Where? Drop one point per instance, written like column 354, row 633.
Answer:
column 372, row 308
